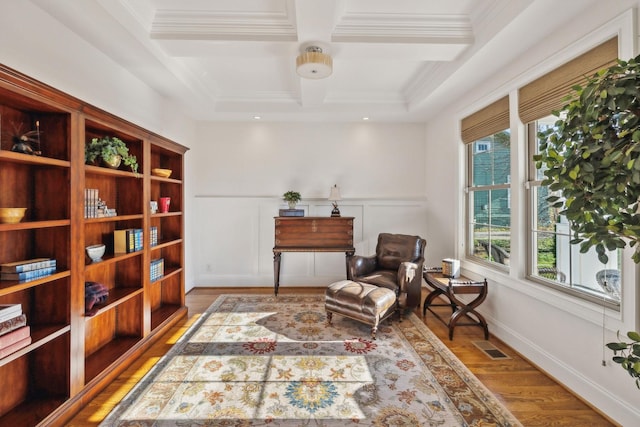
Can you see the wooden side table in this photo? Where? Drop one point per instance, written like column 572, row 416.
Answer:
column 449, row 288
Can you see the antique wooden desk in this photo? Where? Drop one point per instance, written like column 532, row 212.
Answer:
column 311, row 234
column 449, row 288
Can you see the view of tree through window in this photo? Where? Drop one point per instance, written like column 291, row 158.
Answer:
column 489, row 198
column 554, row 259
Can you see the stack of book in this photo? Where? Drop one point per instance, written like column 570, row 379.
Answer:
column 14, row 331
column 26, row 270
column 127, row 240
column 157, row 269
column 153, row 238
column 94, row 206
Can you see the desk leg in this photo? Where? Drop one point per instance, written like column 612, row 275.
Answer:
column 276, row 271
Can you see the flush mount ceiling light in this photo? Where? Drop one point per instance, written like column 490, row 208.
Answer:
column 314, row 64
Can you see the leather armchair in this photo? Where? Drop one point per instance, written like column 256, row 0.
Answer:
column 396, row 265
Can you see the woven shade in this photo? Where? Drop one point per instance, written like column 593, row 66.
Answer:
column 491, row 119
column 542, row 96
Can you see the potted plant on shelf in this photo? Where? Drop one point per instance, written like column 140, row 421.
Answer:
column 592, row 156
column 110, row 150
column 292, row 197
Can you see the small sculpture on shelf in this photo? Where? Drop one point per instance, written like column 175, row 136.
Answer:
column 28, row 142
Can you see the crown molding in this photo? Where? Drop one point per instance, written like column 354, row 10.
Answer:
column 403, row 28
column 216, row 25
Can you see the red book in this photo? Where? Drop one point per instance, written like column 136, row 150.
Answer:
column 14, row 336
column 15, row 347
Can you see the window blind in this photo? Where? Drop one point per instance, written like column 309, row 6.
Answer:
column 491, row 119
column 547, row 93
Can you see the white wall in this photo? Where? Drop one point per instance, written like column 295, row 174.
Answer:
column 244, row 168
column 559, row 334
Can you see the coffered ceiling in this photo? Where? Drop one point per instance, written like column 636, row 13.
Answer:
column 235, row 59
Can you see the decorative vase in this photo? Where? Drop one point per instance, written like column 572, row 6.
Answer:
column 292, row 205
column 114, row 163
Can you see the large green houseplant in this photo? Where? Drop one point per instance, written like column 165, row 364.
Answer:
column 591, row 156
column 110, row 150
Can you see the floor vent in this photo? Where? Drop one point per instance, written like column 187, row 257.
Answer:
column 490, row 350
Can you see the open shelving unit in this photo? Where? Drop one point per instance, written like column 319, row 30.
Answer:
column 74, row 353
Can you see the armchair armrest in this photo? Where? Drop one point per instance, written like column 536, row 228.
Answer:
column 407, row 274
column 410, row 281
column 360, row 265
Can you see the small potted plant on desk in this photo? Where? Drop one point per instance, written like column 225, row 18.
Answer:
column 111, row 151
column 292, row 198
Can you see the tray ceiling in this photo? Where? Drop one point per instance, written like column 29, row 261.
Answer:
column 235, row 59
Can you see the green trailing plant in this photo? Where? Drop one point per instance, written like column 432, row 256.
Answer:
column 629, row 357
column 108, row 149
column 292, row 196
column 591, row 155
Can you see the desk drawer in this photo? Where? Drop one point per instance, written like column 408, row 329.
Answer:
column 314, row 232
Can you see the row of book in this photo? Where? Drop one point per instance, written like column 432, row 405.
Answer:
column 131, row 239
column 27, row 270
column 157, row 269
column 94, row 206
column 128, row 240
column 153, row 236
column 14, row 331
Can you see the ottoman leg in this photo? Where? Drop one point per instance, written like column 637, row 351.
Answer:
column 329, row 317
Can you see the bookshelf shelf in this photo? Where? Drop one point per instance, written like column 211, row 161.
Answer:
column 41, row 335
column 163, row 313
column 13, row 157
column 35, row 225
column 101, row 360
column 116, row 296
column 114, row 218
column 72, row 356
column 8, row 287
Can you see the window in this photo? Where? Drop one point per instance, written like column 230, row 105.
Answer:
column 554, row 261
column 481, row 146
column 488, row 198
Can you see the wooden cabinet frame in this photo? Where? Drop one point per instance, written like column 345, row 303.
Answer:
column 73, row 356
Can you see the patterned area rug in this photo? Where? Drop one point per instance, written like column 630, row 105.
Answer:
column 265, row 361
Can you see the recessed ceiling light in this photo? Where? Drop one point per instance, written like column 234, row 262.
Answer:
column 257, row 117
column 365, row 118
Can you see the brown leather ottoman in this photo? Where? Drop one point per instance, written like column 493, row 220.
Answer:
column 366, row 303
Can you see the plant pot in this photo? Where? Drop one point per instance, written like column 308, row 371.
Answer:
column 292, row 205
column 114, row 163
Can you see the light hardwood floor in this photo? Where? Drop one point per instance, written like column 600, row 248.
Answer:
column 530, row 395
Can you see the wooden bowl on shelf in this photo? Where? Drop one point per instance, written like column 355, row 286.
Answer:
column 11, row 215
column 164, row 173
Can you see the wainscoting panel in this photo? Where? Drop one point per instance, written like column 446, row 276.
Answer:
column 236, row 236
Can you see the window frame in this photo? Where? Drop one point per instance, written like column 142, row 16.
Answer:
column 582, row 293
column 470, row 188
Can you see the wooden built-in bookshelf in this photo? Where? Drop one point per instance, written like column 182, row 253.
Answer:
column 73, row 355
